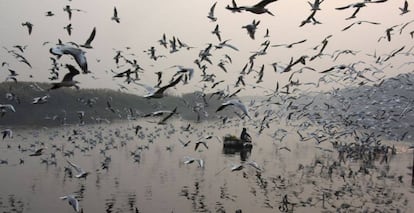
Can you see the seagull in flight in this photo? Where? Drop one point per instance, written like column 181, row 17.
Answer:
column 235, row 103
column 77, row 53
column 29, row 26
column 216, row 32
column 359, row 22
column 159, row 93
column 90, row 39
column 72, row 201
column 81, row 173
column 7, row 133
column 234, row 8
column 67, row 79
column 404, row 9
column 258, row 8
column 251, row 28
column 211, row 13
column 190, row 160
column 5, row 108
column 115, row 17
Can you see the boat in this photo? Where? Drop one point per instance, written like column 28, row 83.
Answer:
column 233, row 142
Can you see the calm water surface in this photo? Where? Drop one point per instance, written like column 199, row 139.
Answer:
column 147, row 172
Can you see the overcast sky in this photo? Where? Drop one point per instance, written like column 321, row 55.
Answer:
column 142, row 24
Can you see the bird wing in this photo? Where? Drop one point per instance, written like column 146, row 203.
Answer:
column 223, row 105
column 172, row 84
column 91, row 37
column 263, row 3
column 72, row 72
column 211, row 13
column 76, row 167
column 115, row 12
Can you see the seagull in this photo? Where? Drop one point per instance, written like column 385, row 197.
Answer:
column 67, row 79
column 185, row 144
column 40, row 100
column 291, row 44
column 234, row 8
column 251, row 28
column 49, row 13
column 359, row 22
column 69, row 11
column 358, row 6
column 29, row 26
column 38, row 152
column 68, row 29
column 404, row 9
column 236, row 103
column 6, row 107
column 211, row 13
column 81, row 173
column 115, row 17
column 190, row 160
column 198, row 144
column 77, row 53
column 216, row 32
column 72, row 201
column 90, row 39
column 7, row 133
column 159, row 93
column 259, row 8
column 163, row 120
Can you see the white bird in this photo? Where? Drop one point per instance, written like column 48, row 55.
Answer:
column 72, row 201
column 5, row 108
column 81, row 173
column 236, row 103
column 190, row 160
column 40, row 100
column 77, row 53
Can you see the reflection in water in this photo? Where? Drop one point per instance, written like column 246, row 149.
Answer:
column 272, row 176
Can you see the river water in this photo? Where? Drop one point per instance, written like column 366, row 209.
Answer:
column 146, row 172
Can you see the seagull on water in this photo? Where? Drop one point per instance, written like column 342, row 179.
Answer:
column 6, row 108
column 72, row 201
column 77, row 53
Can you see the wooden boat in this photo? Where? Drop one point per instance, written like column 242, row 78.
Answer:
column 233, row 142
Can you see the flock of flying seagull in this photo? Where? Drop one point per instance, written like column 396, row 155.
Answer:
column 358, row 73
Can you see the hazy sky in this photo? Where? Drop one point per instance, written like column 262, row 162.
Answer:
column 142, row 24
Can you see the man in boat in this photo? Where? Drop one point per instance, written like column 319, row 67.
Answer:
column 244, row 136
